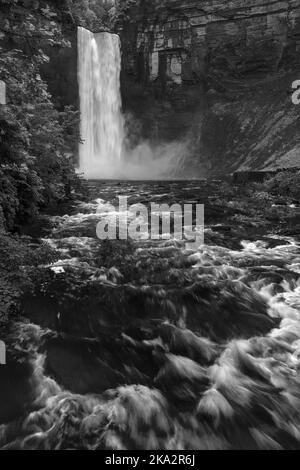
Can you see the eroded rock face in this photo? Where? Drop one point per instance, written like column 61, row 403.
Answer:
column 220, row 72
column 232, row 38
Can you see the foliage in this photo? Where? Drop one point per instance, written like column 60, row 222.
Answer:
column 15, row 255
column 30, row 24
column 90, row 14
column 35, row 164
column 285, row 184
column 99, row 15
column 36, row 168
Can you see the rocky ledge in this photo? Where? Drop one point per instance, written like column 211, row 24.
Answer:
column 219, row 75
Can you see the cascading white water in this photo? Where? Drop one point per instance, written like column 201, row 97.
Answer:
column 102, row 127
column 102, row 153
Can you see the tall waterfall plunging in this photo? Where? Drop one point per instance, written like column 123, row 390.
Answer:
column 102, row 128
column 103, row 153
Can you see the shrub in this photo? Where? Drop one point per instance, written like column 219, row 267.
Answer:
column 35, row 138
column 15, row 255
column 284, row 184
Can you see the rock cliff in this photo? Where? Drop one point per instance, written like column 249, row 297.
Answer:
column 218, row 75
column 213, row 74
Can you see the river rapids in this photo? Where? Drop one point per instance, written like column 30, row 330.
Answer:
column 151, row 345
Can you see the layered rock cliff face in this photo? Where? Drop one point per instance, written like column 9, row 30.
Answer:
column 216, row 74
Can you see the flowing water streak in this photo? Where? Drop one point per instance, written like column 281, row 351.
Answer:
column 102, row 129
column 105, row 152
column 214, row 365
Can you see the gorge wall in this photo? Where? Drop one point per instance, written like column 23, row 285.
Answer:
column 218, row 75
column 214, row 74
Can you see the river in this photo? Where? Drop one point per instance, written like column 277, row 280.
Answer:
column 153, row 345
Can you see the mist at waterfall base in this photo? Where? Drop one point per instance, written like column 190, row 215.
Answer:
column 105, row 151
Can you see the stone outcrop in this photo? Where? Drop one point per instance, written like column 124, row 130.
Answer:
column 185, row 41
column 217, row 74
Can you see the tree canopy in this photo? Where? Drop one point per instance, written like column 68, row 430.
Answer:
column 35, row 163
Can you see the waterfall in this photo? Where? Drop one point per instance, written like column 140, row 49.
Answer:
column 103, row 153
column 102, row 128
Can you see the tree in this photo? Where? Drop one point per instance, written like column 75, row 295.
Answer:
column 35, row 168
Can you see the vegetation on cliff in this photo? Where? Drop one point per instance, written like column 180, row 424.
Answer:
column 98, row 15
column 36, row 167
